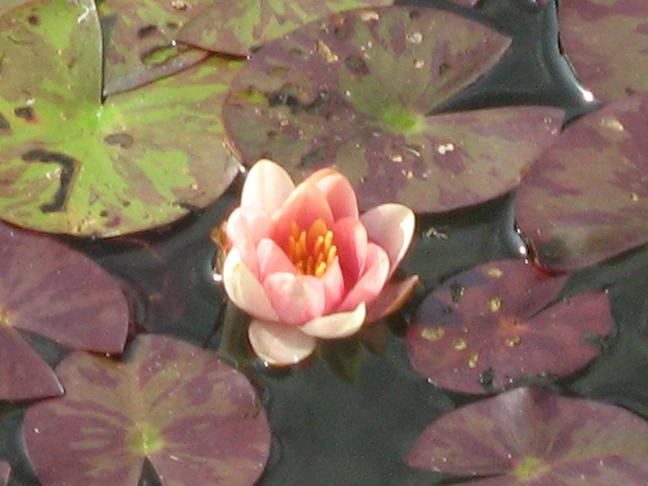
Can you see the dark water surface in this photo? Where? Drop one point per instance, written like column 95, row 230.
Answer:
column 351, row 414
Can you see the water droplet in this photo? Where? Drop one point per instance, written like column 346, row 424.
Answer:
column 513, row 341
column 456, row 292
column 415, row 38
column 459, row 344
column 367, row 15
column 494, row 272
column 494, row 304
column 419, row 63
column 472, row 360
column 588, row 96
column 634, row 197
column 443, row 149
column 612, row 123
column 432, row 333
column 397, row 158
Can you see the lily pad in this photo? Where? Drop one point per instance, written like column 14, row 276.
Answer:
column 71, row 164
column 197, row 420
column 586, row 199
column 531, row 436
column 607, row 43
column 49, row 289
column 139, row 39
column 236, row 27
column 355, row 90
column 491, row 326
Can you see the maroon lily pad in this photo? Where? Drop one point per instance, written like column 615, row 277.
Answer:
column 607, row 43
column 355, row 90
column 497, row 323
column 533, row 436
column 586, row 198
column 49, row 289
column 197, row 420
column 140, row 40
column 5, row 471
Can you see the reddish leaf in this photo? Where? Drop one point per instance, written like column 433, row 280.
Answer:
column 607, row 43
column 497, row 323
column 537, row 438
column 197, row 420
column 355, row 91
column 586, row 198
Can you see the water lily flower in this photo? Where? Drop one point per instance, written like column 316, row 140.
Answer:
column 304, row 263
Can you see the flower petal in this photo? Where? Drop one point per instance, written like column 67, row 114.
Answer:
column 351, row 242
column 244, row 289
column 333, row 281
column 241, row 236
column 371, row 282
column 390, row 226
column 338, row 325
column 305, row 205
column 340, row 196
column 391, row 298
column 266, row 187
column 272, row 259
column 278, row 344
column 296, row 298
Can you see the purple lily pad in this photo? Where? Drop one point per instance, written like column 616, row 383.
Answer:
column 533, row 436
column 49, row 289
column 140, row 40
column 197, row 420
column 607, row 43
column 5, row 471
column 497, row 323
column 586, row 198
column 354, row 91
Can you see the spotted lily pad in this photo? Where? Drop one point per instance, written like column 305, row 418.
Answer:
column 531, row 436
column 586, row 198
column 140, row 40
column 71, row 164
column 355, row 90
column 491, row 326
column 197, row 420
column 49, row 289
column 607, row 43
column 236, row 27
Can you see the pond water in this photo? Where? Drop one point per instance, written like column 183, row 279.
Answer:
column 351, row 414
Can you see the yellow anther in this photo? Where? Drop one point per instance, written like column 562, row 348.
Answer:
column 328, row 240
column 320, row 269
column 330, row 256
column 312, row 250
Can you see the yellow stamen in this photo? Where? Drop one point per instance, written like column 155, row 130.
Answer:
column 311, row 250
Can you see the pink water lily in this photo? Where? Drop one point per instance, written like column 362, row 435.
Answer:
column 304, row 263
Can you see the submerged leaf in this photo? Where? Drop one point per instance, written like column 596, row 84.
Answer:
column 72, row 165
column 586, row 198
column 607, row 43
column 355, row 91
column 498, row 323
column 534, row 437
column 197, row 420
column 49, row 289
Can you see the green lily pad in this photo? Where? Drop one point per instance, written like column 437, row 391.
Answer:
column 355, row 91
column 139, row 38
column 71, row 164
column 607, row 43
column 236, row 27
column 197, row 420
column 534, row 437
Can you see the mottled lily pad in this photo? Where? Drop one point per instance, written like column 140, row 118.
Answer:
column 491, row 326
column 49, row 289
column 236, row 27
column 140, row 42
column 607, row 43
column 531, row 436
column 355, row 90
column 586, row 198
column 73, row 165
column 197, row 420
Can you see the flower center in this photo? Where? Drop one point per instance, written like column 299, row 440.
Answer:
column 311, row 250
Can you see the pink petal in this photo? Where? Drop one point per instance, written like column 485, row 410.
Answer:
column 333, row 286
column 244, row 289
column 371, row 282
column 272, row 259
column 304, row 206
column 338, row 325
column 266, row 187
column 351, row 242
column 296, row 298
column 391, row 298
column 390, row 226
column 278, row 344
column 240, row 236
column 340, row 196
